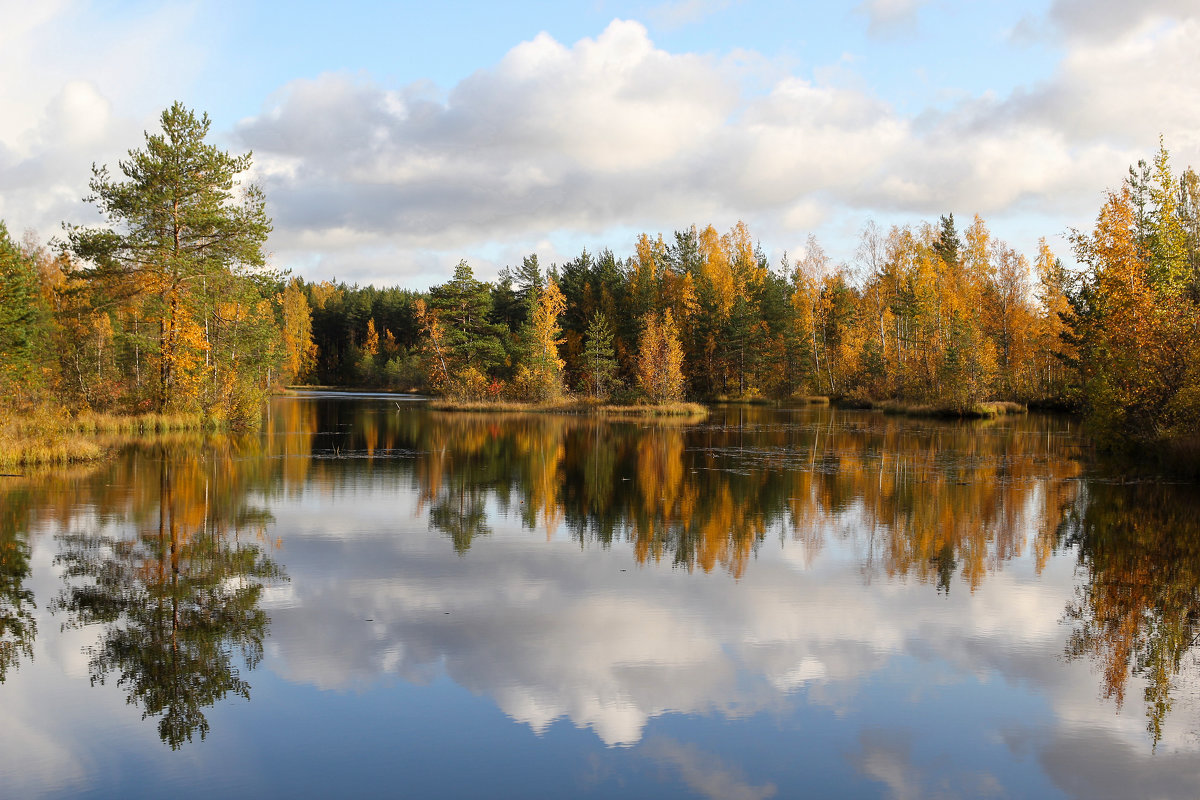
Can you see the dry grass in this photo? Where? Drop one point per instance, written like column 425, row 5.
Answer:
column 18, row 450
column 91, row 422
column 1000, row 408
column 691, row 410
column 48, row 436
column 989, row 410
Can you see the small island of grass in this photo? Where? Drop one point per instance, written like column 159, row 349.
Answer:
column 575, row 406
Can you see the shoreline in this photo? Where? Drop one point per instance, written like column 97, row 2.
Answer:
column 42, row 437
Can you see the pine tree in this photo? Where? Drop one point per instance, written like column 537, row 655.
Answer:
column 948, row 243
column 469, row 347
column 463, row 304
column 187, row 248
column 23, row 331
column 1169, row 263
column 599, row 358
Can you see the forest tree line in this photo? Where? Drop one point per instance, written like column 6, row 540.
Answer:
column 931, row 313
column 170, row 306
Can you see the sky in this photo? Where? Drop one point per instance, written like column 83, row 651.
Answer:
column 393, row 139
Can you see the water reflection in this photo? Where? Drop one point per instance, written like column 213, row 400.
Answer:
column 1137, row 611
column 937, row 501
column 179, row 598
column 638, row 579
column 18, row 625
column 549, row 638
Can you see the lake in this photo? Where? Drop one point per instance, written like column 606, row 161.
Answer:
column 370, row 598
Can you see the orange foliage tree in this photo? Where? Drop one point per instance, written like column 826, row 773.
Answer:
column 660, row 359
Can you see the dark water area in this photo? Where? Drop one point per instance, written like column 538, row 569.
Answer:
column 373, row 599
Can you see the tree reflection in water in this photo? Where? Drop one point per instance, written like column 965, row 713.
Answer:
column 931, row 501
column 18, row 627
column 171, row 558
column 1137, row 611
column 179, row 599
column 935, row 502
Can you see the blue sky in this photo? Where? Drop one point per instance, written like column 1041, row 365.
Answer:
column 393, row 139
column 926, row 56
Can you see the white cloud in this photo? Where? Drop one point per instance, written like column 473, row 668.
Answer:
column 613, row 132
column 80, row 84
column 1098, row 20
column 1124, row 90
column 887, row 18
column 551, row 138
column 590, row 140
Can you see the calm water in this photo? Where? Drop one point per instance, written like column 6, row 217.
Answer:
column 373, row 599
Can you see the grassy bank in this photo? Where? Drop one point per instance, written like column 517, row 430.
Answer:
column 997, row 408
column 572, row 406
column 50, row 437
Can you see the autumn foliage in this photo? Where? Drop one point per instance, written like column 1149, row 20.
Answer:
column 169, row 306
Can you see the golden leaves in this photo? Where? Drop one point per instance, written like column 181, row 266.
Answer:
column 660, row 359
